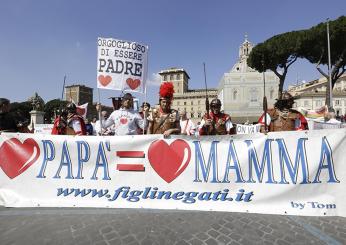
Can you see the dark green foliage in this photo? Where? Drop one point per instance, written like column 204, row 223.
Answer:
column 21, row 110
column 315, row 49
column 281, row 51
column 52, row 108
column 276, row 54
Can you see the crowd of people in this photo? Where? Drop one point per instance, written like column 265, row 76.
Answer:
column 158, row 120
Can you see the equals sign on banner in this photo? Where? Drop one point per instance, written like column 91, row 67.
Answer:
column 131, row 166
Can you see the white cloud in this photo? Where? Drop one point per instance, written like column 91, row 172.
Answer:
column 154, row 80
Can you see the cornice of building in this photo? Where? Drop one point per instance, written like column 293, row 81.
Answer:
column 202, row 90
column 193, row 95
column 77, row 85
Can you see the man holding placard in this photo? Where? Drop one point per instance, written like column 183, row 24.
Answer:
column 126, row 120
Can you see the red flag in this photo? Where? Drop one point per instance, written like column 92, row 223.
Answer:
column 82, row 110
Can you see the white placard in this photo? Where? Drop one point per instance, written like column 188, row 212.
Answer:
column 43, row 128
column 121, row 65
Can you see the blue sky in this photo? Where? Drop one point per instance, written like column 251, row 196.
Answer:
column 43, row 40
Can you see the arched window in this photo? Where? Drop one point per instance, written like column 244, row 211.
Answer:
column 271, row 93
column 235, row 92
column 253, row 95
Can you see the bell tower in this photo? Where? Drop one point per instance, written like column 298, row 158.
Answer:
column 178, row 77
column 244, row 52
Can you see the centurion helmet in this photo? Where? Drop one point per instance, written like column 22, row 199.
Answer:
column 166, row 91
column 215, row 103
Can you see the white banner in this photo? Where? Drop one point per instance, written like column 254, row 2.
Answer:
column 43, row 128
column 121, row 65
column 294, row 173
column 248, row 129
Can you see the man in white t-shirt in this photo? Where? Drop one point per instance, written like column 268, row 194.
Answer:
column 186, row 125
column 125, row 121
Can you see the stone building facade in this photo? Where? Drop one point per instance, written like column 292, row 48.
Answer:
column 241, row 90
column 312, row 95
column 190, row 100
column 80, row 94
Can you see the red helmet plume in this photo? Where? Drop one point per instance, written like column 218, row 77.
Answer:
column 166, row 90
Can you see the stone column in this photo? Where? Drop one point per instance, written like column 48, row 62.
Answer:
column 37, row 117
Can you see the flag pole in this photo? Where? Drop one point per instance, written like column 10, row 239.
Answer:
column 265, row 102
column 100, row 116
column 329, row 69
column 145, row 90
column 63, row 88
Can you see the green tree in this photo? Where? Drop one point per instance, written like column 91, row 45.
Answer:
column 52, row 107
column 21, row 110
column 314, row 47
column 276, row 54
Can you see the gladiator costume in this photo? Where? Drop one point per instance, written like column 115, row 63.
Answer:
column 72, row 125
column 221, row 124
column 283, row 118
column 160, row 121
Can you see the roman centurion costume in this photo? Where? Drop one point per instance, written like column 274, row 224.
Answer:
column 220, row 122
column 283, row 118
column 163, row 119
column 69, row 122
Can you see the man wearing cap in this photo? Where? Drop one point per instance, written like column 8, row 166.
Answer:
column 282, row 117
column 125, row 120
column 164, row 120
column 216, row 123
column 69, row 122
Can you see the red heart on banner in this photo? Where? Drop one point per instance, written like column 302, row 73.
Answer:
column 16, row 157
column 133, row 84
column 123, row 120
column 169, row 161
column 104, row 80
